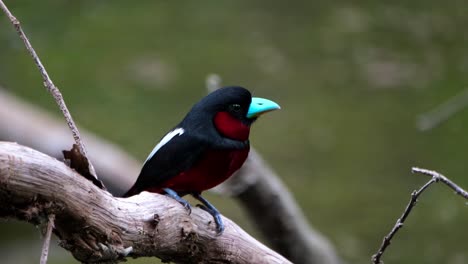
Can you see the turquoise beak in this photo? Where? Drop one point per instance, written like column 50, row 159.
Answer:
column 260, row 106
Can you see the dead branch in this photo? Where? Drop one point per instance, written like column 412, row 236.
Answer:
column 441, row 178
column 96, row 227
column 435, row 177
column 54, row 91
column 47, row 237
column 399, row 223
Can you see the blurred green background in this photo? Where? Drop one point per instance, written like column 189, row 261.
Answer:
column 352, row 79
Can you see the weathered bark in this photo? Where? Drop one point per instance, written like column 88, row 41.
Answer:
column 95, row 226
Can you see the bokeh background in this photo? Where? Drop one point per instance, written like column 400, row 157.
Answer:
column 352, row 80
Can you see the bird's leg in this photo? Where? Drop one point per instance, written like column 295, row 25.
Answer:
column 207, row 206
column 173, row 194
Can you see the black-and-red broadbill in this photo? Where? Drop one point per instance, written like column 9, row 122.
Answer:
column 206, row 148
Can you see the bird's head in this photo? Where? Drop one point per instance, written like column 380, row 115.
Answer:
column 232, row 111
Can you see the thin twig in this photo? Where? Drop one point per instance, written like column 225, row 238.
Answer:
column 435, row 177
column 399, row 223
column 49, row 86
column 48, row 235
column 443, row 112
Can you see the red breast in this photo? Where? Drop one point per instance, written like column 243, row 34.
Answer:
column 214, row 167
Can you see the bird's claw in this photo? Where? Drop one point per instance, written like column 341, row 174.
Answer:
column 212, row 211
column 219, row 225
column 171, row 193
column 187, row 206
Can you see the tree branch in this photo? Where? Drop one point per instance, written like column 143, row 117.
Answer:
column 50, row 86
column 97, row 227
column 47, row 237
column 435, row 177
column 400, row 221
column 441, row 178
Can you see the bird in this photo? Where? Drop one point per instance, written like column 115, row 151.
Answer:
column 204, row 149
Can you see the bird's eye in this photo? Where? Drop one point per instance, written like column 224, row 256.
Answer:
column 235, row 107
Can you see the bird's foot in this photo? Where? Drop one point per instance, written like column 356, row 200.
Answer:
column 173, row 194
column 219, row 223
column 207, row 206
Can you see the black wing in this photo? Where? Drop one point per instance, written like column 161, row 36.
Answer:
column 175, row 156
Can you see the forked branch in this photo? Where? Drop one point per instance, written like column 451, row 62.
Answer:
column 435, row 177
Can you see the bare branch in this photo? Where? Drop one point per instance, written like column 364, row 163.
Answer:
column 47, row 236
column 97, row 227
column 439, row 177
column 400, row 221
column 443, row 112
column 435, row 177
column 50, row 86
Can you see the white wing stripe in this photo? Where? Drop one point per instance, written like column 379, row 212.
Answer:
column 164, row 140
